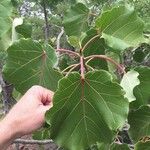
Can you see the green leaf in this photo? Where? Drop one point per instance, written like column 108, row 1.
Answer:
column 102, row 146
column 114, row 146
column 141, row 91
column 139, row 121
column 119, row 147
column 5, row 8
column 74, row 41
column 5, row 12
column 111, row 67
column 96, row 47
column 6, row 41
column 25, row 30
column 41, row 134
column 142, row 145
column 16, row 3
column 76, row 20
column 86, row 111
column 128, row 83
column 29, row 63
column 121, row 27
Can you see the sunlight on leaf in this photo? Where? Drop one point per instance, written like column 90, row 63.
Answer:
column 128, row 83
column 121, row 27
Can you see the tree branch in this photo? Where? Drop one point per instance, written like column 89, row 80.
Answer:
column 46, row 22
column 24, row 141
column 68, row 52
column 59, row 37
column 7, row 90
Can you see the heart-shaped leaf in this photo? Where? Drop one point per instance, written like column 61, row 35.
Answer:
column 76, row 20
column 139, row 121
column 29, row 63
column 86, row 111
column 121, row 27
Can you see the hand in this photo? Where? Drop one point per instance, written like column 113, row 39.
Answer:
column 28, row 114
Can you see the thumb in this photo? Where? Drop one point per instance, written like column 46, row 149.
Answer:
column 47, row 107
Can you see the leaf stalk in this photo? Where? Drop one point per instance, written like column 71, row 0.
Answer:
column 82, row 67
column 68, row 52
column 89, row 58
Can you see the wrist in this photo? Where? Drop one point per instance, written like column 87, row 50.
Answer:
column 7, row 134
column 9, row 128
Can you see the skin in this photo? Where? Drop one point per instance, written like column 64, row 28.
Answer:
column 26, row 116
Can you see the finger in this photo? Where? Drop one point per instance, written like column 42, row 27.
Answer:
column 47, row 107
column 46, row 97
column 43, row 95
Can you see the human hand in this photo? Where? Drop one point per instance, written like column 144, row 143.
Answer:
column 28, row 114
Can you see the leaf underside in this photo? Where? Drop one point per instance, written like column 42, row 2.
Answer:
column 86, row 111
column 96, row 47
column 119, row 26
column 76, row 20
column 31, row 64
column 128, row 82
column 5, row 13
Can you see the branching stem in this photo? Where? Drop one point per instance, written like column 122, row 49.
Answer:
column 89, row 58
column 68, row 52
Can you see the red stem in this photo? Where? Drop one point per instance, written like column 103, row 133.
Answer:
column 82, row 67
column 68, row 52
column 108, row 59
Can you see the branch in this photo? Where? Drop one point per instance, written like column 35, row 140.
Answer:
column 91, row 40
column 93, row 14
column 68, row 52
column 24, row 141
column 7, row 90
column 89, row 58
column 59, row 37
column 82, row 67
column 46, row 22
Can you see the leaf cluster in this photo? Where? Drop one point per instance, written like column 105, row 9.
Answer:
column 96, row 96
